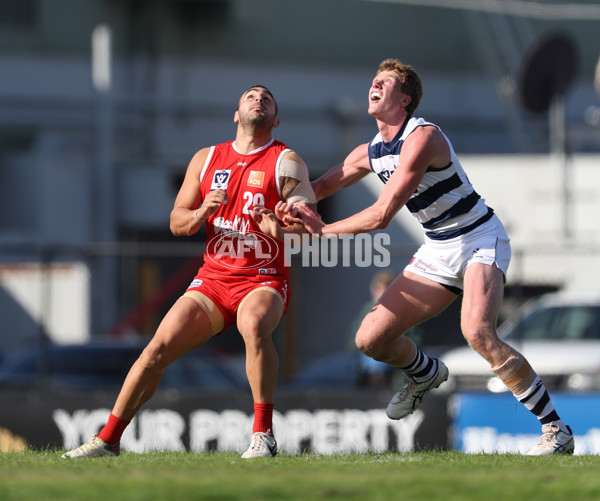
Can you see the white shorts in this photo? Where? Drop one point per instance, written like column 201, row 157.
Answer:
column 445, row 261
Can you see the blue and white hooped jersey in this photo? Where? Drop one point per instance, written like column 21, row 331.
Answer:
column 445, row 202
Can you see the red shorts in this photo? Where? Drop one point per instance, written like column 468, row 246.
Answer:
column 228, row 292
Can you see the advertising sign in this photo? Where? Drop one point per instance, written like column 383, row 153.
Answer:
column 492, row 422
column 325, row 423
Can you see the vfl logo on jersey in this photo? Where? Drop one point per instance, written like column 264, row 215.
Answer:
column 256, row 179
column 220, row 180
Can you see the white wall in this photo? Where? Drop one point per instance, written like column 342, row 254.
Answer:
column 527, row 194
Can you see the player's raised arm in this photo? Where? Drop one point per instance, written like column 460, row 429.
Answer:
column 296, row 190
column 354, row 167
column 294, row 182
column 422, row 148
column 188, row 215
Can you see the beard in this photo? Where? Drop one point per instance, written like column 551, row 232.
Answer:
column 256, row 120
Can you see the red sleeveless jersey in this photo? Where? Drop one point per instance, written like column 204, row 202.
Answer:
column 235, row 245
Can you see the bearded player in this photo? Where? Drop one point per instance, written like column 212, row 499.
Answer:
column 232, row 188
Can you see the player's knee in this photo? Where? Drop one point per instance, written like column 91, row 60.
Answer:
column 152, row 361
column 366, row 344
column 480, row 338
column 254, row 329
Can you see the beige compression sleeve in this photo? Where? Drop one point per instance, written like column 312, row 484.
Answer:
column 296, row 169
column 516, row 373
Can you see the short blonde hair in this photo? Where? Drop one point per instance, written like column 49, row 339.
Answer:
column 411, row 81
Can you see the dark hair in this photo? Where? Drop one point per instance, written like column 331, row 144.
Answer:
column 259, row 86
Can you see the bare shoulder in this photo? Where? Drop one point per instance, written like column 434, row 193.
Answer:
column 198, row 160
column 426, row 133
column 430, row 135
column 429, row 142
column 200, row 156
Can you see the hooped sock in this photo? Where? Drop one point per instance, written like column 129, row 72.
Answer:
column 537, row 401
column 422, row 368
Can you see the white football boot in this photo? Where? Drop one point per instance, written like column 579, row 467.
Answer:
column 410, row 395
column 263, row 445
column 94, row 448
column 553, row 441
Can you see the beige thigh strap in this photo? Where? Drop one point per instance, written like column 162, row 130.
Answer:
column 263, row 288
column 217, row 320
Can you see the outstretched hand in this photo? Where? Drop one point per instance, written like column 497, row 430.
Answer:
column 299, row 213
column 267, row 222
column 287, row 213
column 309, row 217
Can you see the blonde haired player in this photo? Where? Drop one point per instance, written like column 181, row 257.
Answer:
column 466, row 250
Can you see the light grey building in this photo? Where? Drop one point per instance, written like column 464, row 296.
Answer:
column 103, row 103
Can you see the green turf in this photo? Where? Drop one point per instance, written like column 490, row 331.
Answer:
column 35, row 475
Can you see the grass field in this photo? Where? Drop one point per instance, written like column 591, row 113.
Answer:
column 42, row 475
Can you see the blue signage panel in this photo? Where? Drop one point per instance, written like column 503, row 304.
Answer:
column 492, row 422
